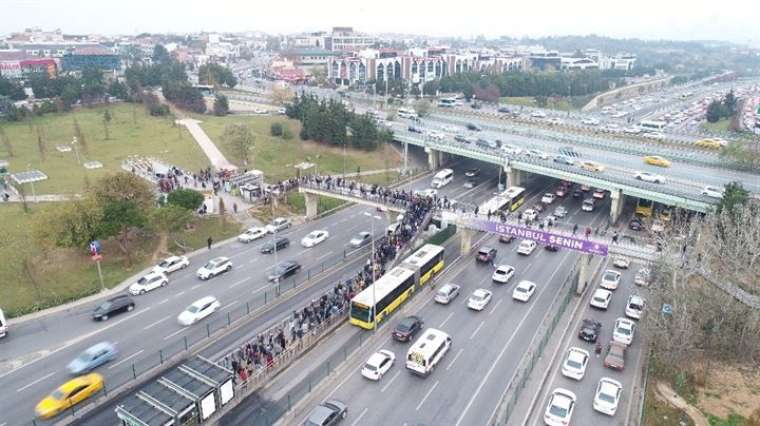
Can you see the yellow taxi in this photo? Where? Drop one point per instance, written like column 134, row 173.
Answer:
column 711, row 143
column 666, row 215
column 592, row 166
column 656, row 160
column 69, row 394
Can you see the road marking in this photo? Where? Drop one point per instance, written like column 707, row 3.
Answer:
column 34, row 382
column 126, row 359
column 427, row 395
column 179, row 294
column 175, row 333
column 324, row 255
column 528, row 267
column 455, row 358
column 195, row 286
column 301, row 252
column 446, row 320
column 387, row 385
column 476, row 330
column 356, row 422
column 506, row 345
column 230, row 305
column 151, row 325
column 496, row 306
column 239, row 282
column 162, row 302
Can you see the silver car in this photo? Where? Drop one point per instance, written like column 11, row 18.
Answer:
column 360, row 239
column 447, row 293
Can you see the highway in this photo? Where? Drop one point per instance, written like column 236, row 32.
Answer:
column 585, row 389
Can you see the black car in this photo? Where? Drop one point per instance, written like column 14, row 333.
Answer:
column 328, row 413
column 407, row 328
column 590, row 330
column 461, row 138
column 278, row 244
column 635, row 224
column 284, row 270
column 113, row 306
column 475, row 105
column 414, row 129
column 551, row 247
column 474, row 127
column 577, row 193
column 506, row 239
column 472, row 172
column 504, row 110
column 486, row 255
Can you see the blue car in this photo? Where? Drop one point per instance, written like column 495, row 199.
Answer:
column 92, row 358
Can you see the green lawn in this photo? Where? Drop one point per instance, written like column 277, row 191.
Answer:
column 720, row 126
column 32, row 278
column 130, row 134
column 276, row 157
column 561, row 104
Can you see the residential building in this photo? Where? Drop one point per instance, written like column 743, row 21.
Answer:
column 346, row 40
column 98, row 57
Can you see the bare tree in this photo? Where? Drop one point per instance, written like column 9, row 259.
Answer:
column 241, row 140
column 281, row 95
column 6, row 142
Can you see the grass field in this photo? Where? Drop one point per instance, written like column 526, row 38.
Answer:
column 561, row 104
column 32, row 278
column 131, row 130
column 720, row 126
column 276, row 157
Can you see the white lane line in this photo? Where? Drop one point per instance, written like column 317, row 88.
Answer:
column 496, row 306
column 34, row 382
column 238, row 283
column 528, row 267
column 151, row 325
column 301, row 252
column 324, row 256
column 231, row 304
column 179, row 294
column 162, row 302
column 356, row 422
column 427, row 395
column 455, row 358
column 387, row 385
column 474, row 333
column 447, row 319
column 175, row 333
column 195, row 286
column 126, row 359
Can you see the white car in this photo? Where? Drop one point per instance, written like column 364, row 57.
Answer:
column 650, row 177
column 538, row 114
column 171, row 264
column 642, row 277
column 559, row 411
column 537, row 153
column 314, row 238
column 198, row 310
column 655, row 135
column 560, row 211
column 510, row 149
column 635, row 306
column 503, row 273
column 524, row 291
column 526, row 247
column 360, row 239
column 252, row 234
column 590, row 121
column 712, row 192
column 575, row 363
column 623, row 331
column 601, row 298
column 479, row 299
column 278, row 224
column 621, row 262
column 530, row 214
column 214, row 267
column 607, row 396
column 378, row 364
column 447, row 293
column 548, row 198
column 632, row 130
column 151, row 281
column 610, row 280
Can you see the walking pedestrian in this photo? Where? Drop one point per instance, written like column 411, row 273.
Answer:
column 575, row 228
column 209, row 241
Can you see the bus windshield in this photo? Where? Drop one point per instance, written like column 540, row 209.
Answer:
column 360, row 312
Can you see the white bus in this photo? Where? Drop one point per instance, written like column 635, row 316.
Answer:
column 427, row 351
column 652, row 124
column 406, row 113
column 442, row 178
column 447, row 102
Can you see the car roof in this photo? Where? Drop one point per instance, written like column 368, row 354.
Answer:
column 320, row 413
column 376, row 358
column 172, row 258
column 481, row 292
column 153, row 274
column 99, row 346
column 203, row 301
column 608, row 385
column 577, row 354
column 562, row 398
column 602, row 292
column 525, row 284
column 77, row 381
column 219, row 259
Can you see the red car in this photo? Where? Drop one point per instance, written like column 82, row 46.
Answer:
column 561, row 191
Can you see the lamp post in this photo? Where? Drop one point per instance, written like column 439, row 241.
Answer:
column 372, row 267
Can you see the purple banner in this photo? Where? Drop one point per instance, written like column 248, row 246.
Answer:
column 541, row 237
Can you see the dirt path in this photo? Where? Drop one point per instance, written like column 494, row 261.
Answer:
column 664, row 392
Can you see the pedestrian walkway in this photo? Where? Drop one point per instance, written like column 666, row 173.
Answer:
column 217, row 159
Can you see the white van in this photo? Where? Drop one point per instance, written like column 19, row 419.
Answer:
column 442, row 178
column 3, row 325
column 406, row 113
column 427, row 351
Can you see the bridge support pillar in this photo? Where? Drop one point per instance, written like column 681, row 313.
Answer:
column 584, row 273
column 466, row 237
column 514, row 176
column 312, row 202
column 616, row 206
column 434, row 158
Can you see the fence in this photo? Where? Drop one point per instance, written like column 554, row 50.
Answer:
column 535, row 350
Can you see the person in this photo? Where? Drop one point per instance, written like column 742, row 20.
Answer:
column 575, row 228
column 209, row 241
column 598, row 349
column 615, row 238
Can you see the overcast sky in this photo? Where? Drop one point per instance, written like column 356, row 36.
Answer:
column 734, row 20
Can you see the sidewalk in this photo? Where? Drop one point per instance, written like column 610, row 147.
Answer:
column 217, row 159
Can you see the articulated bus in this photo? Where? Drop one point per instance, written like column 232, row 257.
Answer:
column 644, row 207
column 511, row 200
column 392, row 289
column 651, row 125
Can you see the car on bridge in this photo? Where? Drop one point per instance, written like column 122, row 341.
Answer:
column 414, row 129
column 656, row 160
column 591, row 166
column 474, row 127
column 538, row 114
column 69, row 394
column 712, row 192
column 650, row 177
column 537, row 154
column 559, row 410
column 561, row 159
column 510, row 149
column 252, row 234
column 214, row 267
column 711, row 143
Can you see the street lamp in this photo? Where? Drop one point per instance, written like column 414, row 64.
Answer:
column 372, row 266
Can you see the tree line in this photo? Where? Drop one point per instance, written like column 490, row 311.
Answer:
column 330, row 122
column 722, row 108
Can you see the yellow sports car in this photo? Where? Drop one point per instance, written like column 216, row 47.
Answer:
column 656, row 160
column 69, row 394
column 592, row 166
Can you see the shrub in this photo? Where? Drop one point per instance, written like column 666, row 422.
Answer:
column 287, row 134
column 276, row 129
